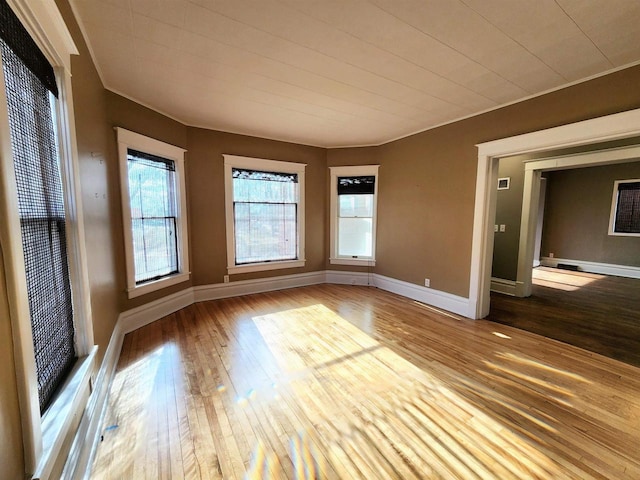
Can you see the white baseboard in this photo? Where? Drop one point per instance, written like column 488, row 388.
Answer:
column 507, row 287
column 436, row 298
column 500, row 285
column 90, row 426
column 340, row 277
column 594, row 267
column 138, row 317
column 216, row 291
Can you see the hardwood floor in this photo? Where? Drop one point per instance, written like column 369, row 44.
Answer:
column 352, row 382
column 595, row 312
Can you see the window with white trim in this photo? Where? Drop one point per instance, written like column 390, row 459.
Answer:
column 43, row 223
column 353, row 207
column 154, row 212
column 264, row 202
column 42, row 232
column 625, row 208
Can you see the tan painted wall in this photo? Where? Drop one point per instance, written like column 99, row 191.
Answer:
column 577, row 212
column 127, row 114
column 509, row 214
column 11, row 453
column 206, row 200
column 349, row 156
column 97, row 175
column 427, row 181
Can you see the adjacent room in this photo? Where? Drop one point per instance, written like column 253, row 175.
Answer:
column 319, row 239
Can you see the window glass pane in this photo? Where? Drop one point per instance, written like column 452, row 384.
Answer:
column 265, row 231
column 152, row 199
column 355, row 237
column 355, row 205
column 154, row 247
column 253, row 186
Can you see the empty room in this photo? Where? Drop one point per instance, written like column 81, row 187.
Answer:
column 301, row 239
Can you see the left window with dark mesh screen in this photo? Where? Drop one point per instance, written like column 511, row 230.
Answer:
column 42, row 222
column 152, row 199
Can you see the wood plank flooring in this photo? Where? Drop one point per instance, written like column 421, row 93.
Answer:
column 595, row 312
column 352, row 382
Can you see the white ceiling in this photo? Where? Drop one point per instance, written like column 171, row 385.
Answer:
column 349, row 72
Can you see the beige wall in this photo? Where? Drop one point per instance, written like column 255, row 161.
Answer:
column 206, row 200
column 509, row 214
column 97, row 175
column 348, row 156
column 426, row 197
column 577, row 212
column 127, row 114
column 427, row 181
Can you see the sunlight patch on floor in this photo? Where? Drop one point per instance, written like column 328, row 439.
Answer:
column 562, row 280
column 379, row 416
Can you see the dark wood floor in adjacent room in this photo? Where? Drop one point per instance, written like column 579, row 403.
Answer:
column 595, row 312
column 352, row 382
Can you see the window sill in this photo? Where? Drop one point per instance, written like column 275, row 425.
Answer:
column 67, row 408
column 621, row 234
column 149, row 287
column 365, row 262
column 261, row 267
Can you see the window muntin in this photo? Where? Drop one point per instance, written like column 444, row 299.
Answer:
column 264, row 214
column 353, row 214
column 625, row 208
column 154, row 213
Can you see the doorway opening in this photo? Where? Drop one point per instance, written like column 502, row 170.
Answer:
column 589, row 132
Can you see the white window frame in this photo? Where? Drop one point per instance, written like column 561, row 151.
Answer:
column 351, row 171
column 44, row 436
column 131, row 140
column 614, row 208
column 260, row 164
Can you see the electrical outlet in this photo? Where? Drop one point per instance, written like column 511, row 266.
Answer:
column 427, row 282
column 551, row 255
column 495, row 228
column 503, row 228
column 226, row 279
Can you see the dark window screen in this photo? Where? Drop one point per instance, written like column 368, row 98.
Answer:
column 361, row 185
column 265, row 215
column 152, row 199
column 628, row 208
column 42, row 222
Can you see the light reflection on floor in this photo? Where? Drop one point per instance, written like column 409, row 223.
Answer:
column 375, row 415
column 567, row 281
column 303, row 393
